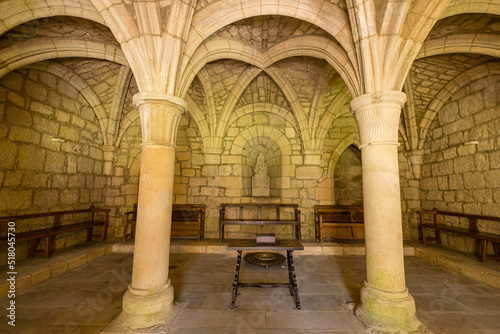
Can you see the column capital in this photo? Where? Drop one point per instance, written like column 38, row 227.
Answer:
column 160, row 115
column 377, row 115
column 159, row 98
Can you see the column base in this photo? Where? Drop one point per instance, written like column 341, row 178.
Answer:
column 145, row 309
column 388, row 312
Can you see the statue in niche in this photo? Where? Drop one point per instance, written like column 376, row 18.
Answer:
column 260, row 180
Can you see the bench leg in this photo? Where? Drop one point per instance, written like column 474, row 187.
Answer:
column 125, row 226
column 496, row 248
column 33, row 247
column 292, row 279
column 484, row 251
column 236, row 278
column 422, row 228
column 221, row 233
column 104, row 232
column 47, row 247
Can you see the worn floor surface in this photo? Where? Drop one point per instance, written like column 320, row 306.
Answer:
column 85, row 299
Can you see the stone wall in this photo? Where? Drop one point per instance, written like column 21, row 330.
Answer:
column 298, row 176
column 458, row 175
column 123, row 184
column 38, row 174
column 348, row 178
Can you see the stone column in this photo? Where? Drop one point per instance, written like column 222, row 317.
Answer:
column 150, row 295
column 386, row 304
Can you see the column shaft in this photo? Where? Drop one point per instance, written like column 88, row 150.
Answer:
column 386, row 305
column 154, row 218
column 150, row 295
column 382, row 211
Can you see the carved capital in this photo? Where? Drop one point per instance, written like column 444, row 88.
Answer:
column 160, row 115
column 377, row 115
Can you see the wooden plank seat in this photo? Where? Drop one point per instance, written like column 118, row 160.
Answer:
column 188, row 221
column 472, row 231
column 258, row 220
column 57, row 227
column 339, row 222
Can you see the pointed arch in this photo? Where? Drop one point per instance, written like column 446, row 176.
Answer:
column 120, row 94
column 312, row 46
column 447, row 91
column 222, row 13
column 83, row 87
column 14, row 13
column 39, row 49
column 481, row 44
column 330, row 115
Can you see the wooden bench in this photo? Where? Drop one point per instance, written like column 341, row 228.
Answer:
column 188, row 221
column 472, row 231
column 129, row 220
column 339, row 222
column 57, row 226
column 244, row 216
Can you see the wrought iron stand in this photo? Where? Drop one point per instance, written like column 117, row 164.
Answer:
column 288, row 245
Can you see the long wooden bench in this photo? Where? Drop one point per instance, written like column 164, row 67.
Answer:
column 472, row 231
column 339, row 222
column 244, row 217
column 55, row 227
column 188, row 221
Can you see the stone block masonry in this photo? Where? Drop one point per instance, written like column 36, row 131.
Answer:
column 39, row 174
column 461, row 169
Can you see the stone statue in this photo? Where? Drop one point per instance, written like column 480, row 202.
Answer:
column 260, row 180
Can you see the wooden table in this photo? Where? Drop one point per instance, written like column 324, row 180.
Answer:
column 251, row 245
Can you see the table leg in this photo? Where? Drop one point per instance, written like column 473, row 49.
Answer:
column 294, row 290
column 236, row 277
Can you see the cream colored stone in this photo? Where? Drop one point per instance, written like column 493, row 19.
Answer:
column 9, row 153
column 199, row 249
column 40, row 276
column 23, row 282
column 231, row 182
column 76, row 262
column 95, row 254
column 332, row 250
column 354, row 250
column 15, row 199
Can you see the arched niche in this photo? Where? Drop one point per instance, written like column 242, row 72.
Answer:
column 275, row 147
column 348, row 183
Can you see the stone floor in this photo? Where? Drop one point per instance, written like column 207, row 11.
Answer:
column 87, row 298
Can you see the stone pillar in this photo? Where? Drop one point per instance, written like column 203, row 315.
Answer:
column 150, row 295
column 386, row 304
